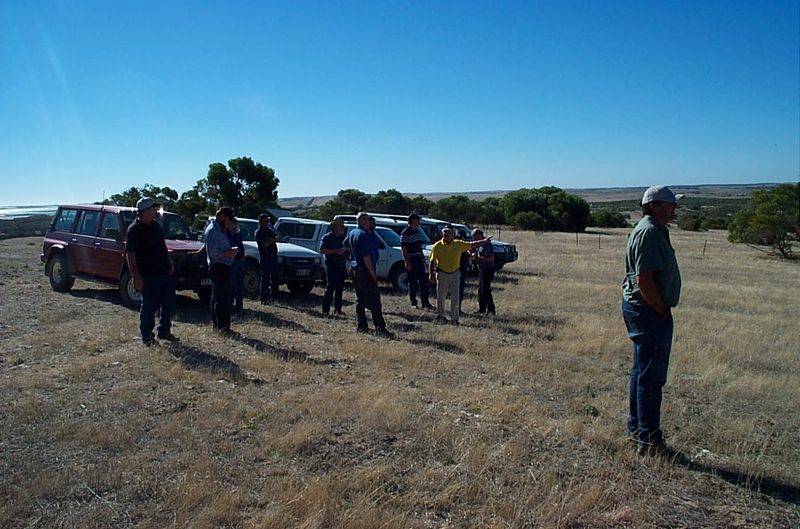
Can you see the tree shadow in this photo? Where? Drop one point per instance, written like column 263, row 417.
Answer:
column 194, row 358
column 766, row 485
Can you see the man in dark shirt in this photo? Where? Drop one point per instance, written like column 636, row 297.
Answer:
column 411, row 246
column 484, row 258
column 363, row 249
column 151, row 268
column 335, row 255
column 267, row 239
column 237, row 267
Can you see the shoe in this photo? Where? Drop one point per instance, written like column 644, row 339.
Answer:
column 455, row 323
column 362, row 330
column 149, row 342
column 339, row 313
column 384, row 333
column 326, row 314
column 414, row 304
column 653, row 449
column 169, row 337
column 264, row 302
column 226, row 332
column 427, row 306
column 479, row 312
column 440, row 320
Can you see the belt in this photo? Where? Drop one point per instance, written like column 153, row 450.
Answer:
column 443, row 272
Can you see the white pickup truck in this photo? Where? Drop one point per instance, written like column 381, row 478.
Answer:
column 309, row 233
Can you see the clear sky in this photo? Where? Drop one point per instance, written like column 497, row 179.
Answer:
column 422, row 96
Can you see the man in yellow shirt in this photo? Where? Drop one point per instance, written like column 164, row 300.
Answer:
column 444, row 271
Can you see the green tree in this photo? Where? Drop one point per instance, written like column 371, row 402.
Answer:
column 346, row 202
column 456, row 208
column 390, row 201
column 607, row 218
column 243, row 184
column 420, row 205
column 165, row 196
column 771, row 219
column 491, row 211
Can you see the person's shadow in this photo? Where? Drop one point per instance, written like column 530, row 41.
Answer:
column 766, row 485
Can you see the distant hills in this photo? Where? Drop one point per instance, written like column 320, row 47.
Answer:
column 591, row 195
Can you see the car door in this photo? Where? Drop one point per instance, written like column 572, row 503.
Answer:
column 109, row 253
column 82, row 242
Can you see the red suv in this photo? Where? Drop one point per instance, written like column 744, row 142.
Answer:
column 88, row 241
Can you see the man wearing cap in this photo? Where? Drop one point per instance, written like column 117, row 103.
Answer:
column 411, row 246
column 363, row 252
column 234, row 234
column 484, row 258
column 151, row 268
column 445, row 271
column 651, row 287
column 267, row 241
column 220, row 255
column 335, row 260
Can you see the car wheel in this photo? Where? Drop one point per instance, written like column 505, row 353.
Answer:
column 300, row 287
column 399, row 278
column 252, row 280
column 60, row 278
column 130, row 297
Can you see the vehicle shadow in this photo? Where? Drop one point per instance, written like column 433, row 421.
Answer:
column 194, row 358
column 774, row 488
column 111, row 295
column 271, row 320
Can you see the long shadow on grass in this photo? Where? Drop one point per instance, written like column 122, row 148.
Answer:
column 194, row 358
column 272, row 320
column 283, row 353
column 441, row 346
column 766, row 485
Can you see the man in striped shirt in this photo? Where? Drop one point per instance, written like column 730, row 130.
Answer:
column 411, row 245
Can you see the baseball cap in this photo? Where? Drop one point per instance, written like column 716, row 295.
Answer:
column 227, row 211
column 660, row 194
column 146, row 203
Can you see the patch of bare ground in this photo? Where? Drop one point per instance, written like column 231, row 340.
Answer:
column 506, row 422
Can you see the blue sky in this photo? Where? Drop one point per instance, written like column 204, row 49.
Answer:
column 419, row 96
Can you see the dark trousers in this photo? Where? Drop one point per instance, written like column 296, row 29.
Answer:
column 462, row 282
column 652, row 342
column 237, row 283
column 333, row 291
column 418, row 280
column 221, row 296
column 158, row 292
column 485, row 299
column 367, row 297
column 270, row 279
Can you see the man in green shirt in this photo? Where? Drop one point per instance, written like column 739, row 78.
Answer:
column 651, row 287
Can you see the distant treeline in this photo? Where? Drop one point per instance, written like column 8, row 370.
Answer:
column 33, row 226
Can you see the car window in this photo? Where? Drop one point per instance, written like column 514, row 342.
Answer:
column 109, row 226
column 88, row 222
column 248, row 230
column 388, row 235
column 297, row 230
column 173, row 226
column 65, row 220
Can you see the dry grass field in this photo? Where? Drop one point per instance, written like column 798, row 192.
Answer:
column 516, row 421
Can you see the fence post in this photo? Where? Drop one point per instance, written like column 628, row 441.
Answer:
column 704, row 247
column 598, row 241
column 576, row 238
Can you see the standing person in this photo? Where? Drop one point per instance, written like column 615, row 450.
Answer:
column 237, row 267
column 651, row 287
column 152, row 269
column 267, row 241
column 363, row 250
column 484, row 258
column 445, row 272
column 335, row 260
column 411, row 246
column 220, row 256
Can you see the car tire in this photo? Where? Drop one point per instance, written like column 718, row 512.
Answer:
column 130, row 297
column 252, row 280
column 300, row 287
column 399, row 278
column 58, row 272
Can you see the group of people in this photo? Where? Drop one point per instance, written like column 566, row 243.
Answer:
column 651, row 285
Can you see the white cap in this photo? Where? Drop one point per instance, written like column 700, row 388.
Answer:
column 660, row 194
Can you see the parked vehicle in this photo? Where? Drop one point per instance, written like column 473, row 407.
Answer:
column 299, row 267
column 391, row 267
column 87, row 241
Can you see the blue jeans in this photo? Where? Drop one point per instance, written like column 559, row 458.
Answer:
column 652, row 341
column 270, row 279
column 333, row 290
column 237, row 280
column 418, row 280
column 158, row 291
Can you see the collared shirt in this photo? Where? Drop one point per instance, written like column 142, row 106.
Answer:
column 485, row 250
column 649, row 250
column 411, row 241
column 361, row 243
column 236, row 240
column 448, row 256
column 217, row 243
column 331, row 241
column 269, row 252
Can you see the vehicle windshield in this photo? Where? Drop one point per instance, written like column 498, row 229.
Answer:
column 247, row 229
column 389, row 236
column 173, row 226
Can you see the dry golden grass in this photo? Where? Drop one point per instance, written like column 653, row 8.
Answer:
column 507, row 422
